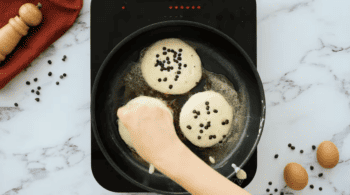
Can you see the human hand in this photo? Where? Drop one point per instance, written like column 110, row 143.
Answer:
column 151, row 129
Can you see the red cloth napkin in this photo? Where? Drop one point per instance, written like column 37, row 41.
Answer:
column 58, row 17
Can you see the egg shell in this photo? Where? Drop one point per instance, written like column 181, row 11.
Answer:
column 295, row 176
column 327, row 154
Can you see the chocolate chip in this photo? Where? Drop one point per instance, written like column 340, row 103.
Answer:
column 215, row 111
column 224, row 136
column 226, row 121
column 208, row 112
column 267, row 190
column 185, row 65
column 33, row 91
column 194, row 111
column 312, row 186
column 198, row 113
column 201, row 131
column 289, row 145
column 270, row 183
column 37, row 99
column 50, row 73
column 164, row 48
column 159, row 80
column 210, row 136
column 320, row 189
column 37, row 92
column 61, row 76
column 199, row 137
column 320, row 175
column 179, row 54
column 164, row 53
column 64, row 74
column 201, row 125
column 206, row 127
column 28, row 83
column 311, row 167
column 168, row 50
column 168, row 62
column 276, row 190
column 180, row 50
column 57, row 83
column 293, row 147
column 165, row 79
column 178, row 72
column 220, row 142
column 170, row 86
column 301, row 151
column 157, row 55
column 313, row 147
column 36, row 79
column 276, row 156
column 179, row 58
column 16, row 104
column 188, row 127
column 214, row 136
column 195, row 116
column 206, row 103
column 223, row 123
column 49, row 62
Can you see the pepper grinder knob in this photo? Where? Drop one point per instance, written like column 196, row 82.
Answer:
column 18, row 27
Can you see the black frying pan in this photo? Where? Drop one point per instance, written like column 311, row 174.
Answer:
column 219, row 54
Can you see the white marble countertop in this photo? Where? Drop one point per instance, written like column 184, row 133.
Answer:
column 303, row 61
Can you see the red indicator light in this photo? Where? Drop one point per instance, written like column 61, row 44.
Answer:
column 123, row 7
column 187, row 7
column 198, row 7
column 182, row 7
column 170, row 7
column 176, row 7
column 193, row 7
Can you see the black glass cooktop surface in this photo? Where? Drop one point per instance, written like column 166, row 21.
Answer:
column 112, row 21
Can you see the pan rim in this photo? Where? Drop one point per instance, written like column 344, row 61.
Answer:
column 150, row 28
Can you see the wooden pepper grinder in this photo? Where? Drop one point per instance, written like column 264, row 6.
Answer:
column 18, row 27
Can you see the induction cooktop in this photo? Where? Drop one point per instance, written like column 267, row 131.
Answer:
column 112, row 21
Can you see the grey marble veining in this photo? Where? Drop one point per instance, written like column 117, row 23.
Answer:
column 303, row 61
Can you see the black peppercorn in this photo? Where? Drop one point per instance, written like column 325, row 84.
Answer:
column 49, row 62
column 289, row 145
column 37, row 92
column 28, row 83
column 36, row 79
column 320, row 175
column 293, row 147
column 57, row 83
column 270, row 183
column 312, row 186
column 276, row 156
column 301, row 151
column 37, row 99
column 16, row 104
column 313, row 147
column 39, row 88
column 311, row 167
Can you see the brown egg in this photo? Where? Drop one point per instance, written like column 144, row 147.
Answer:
column 295, row 176
column 327, row 154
